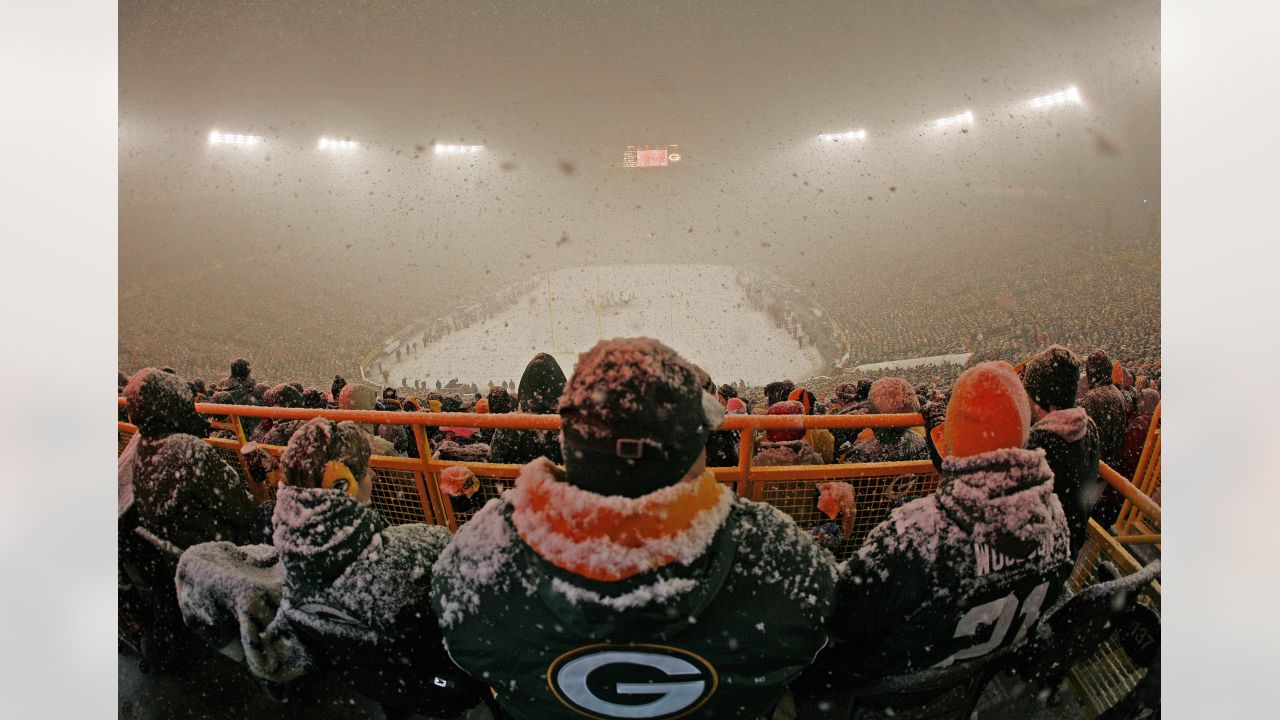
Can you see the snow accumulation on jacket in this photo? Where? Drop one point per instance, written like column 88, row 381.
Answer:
column 346, row 572
column 1069, row 439
column 789, row 452
column 184, row 491
column 712, row 620
column 889, row 445
column 231, row 594
column 1106, row 406
column 958, row 574
column 540, row 388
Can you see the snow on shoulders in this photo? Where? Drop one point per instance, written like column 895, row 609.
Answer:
column 476, row 559
column 658, row 592
column 775, row 551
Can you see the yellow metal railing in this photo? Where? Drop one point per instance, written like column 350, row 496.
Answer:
column 1105, row 677
column 407, row 490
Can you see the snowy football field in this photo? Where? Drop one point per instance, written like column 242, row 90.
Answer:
column 697, row 309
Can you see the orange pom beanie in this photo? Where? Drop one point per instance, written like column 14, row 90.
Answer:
column 989, row 410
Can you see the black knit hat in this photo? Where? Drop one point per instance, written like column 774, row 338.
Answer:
column 635, row 418
column 161, row 404
column 776, row 392
column 1098, row 368
column 285, row 396
column 1052, row 377
column 240, row 369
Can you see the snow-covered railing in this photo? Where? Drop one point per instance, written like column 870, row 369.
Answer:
column 407, row 489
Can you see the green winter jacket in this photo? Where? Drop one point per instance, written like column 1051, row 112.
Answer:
column 540, row 389
column 718, row 637
column 184, row 491
column 955, row 575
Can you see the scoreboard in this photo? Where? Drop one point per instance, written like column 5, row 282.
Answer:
column 650, row 155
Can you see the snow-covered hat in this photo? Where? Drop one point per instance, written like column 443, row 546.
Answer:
column 286, row 396
column 1098, row 368
column 988, row 411
column 891, row 395
column 635, row 418
column 786, row 407
column 1051, row 378
column 318, row 446
column 160, row 404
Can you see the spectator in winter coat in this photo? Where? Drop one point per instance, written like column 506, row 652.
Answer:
column 336, row 389
column 632, row 563
column 1136, row 436
column 540, row 389
column 727, row 392
column 890, row 396
column 847, row 400
column 820, row 439
column 1106, row 406
column 278, row 432
column 238, row 383
column 359, row 396
column 1067, row 435
column 346, row 573
column 786, row 447
column 965, row 571
column 722, row 447
column 184, row 491
column 313, row 398
column 776, row 392
column 497, row 401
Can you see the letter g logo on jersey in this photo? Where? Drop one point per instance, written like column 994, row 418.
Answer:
column 654, row 682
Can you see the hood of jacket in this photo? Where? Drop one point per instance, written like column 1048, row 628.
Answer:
column 1070, row 424
column 541, row 385
column 319, row 533
column 605, row 562
column 1003, row 499
column 791, row 452
column 161, row 404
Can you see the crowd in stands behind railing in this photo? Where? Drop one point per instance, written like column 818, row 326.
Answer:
column 616, row 533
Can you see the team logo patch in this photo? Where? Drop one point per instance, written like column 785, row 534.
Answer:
column 654, row 682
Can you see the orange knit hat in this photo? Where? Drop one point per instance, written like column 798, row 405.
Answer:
column 482, row 405
column 989, row 410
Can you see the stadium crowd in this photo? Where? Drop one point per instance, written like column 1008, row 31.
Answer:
column 616, row 534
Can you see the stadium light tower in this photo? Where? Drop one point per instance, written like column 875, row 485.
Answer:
column 457, row 149
column 334, row 144
column 846, row 136
column 961, row 119
column 1070, row 95
column 218, row 138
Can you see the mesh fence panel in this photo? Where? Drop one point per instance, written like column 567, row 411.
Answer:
column 1109, row 674
column 232, row 458
column 876, row 497
column 395, row 497
column 490, row 488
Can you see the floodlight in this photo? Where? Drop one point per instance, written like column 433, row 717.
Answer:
column 1070, row 95
column 453, row 149
column 335, row 144
column 848, row 135
column 217, row 138
column 964, row 117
